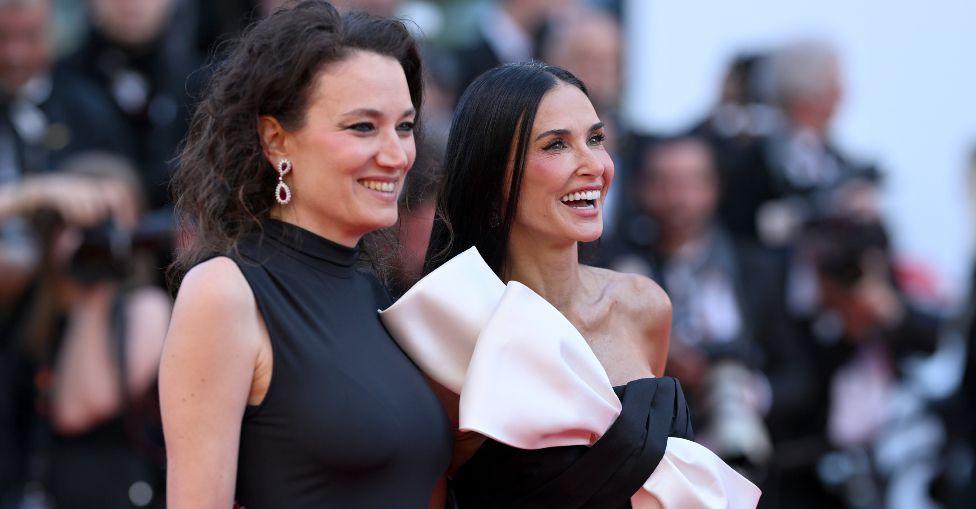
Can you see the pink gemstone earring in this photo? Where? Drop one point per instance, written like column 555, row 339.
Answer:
column 282, row 191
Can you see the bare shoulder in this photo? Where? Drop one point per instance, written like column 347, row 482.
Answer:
column 216, row 282
column 642, row 309
column 215, row 302
column 635, row 295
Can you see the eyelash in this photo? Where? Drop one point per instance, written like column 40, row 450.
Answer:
column 365, row 127
column 553, row 145
column 595, row 140
column 361, row 127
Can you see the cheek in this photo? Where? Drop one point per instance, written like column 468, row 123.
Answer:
column 410, row 148
column 608, row 169
column 343, row 155
column 544, row 175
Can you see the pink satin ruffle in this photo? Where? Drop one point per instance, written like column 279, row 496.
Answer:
column 528, row 379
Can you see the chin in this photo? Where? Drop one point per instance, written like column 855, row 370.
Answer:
column 589, row 237
column 385, row 219
column 588, row 234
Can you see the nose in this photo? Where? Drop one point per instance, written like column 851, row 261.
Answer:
column 393, row 151
column 592, row 163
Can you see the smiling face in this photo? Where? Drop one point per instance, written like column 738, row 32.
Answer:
column 350, row 156
column 567, row 171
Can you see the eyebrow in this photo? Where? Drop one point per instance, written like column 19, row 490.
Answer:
column 561, row 132
column 370, row 112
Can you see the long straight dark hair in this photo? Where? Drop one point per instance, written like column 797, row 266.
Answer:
column 491, row 126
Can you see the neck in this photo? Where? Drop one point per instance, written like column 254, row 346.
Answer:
column 325, row 229
column 550, row 269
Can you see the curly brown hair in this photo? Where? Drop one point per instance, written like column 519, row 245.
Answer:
column 223, row 185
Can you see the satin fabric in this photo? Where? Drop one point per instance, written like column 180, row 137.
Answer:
column 603, row 476
column 528, row 379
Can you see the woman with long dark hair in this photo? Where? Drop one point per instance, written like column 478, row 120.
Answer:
column 279, row 386
column 524, row 180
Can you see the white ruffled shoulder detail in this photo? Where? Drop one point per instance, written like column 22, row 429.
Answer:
column 528, row 379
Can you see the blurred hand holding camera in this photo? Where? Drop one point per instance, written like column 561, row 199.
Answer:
column 80, row 200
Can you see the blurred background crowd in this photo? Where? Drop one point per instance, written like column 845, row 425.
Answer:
column 832, row 372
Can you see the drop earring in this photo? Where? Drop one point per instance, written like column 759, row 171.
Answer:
column 282, row 191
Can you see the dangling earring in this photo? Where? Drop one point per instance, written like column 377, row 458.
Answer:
column 282, row 191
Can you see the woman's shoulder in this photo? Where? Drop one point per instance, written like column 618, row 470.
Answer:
column 633, row 294
column 215, row 312
column 215, row 289
column 641, row 310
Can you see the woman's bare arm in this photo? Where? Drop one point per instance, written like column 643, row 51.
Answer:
column 86, row 390
column 205, row 378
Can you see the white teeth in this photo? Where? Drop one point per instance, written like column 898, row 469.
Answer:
column 581, row 195
column 385, row 187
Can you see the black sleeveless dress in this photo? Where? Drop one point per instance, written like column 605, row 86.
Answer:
column 348, row 420
column 603, row 476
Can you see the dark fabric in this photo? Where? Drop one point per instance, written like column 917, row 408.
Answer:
column 967, row 391
column 218, row 20
column 97, row 470
column 78, row 111
column 752, row 171
column 168, row 74
column 603, row 476
column 94, row 468
column 16, row 398
column 78, row 118
column 126, row 449
column 348, row 419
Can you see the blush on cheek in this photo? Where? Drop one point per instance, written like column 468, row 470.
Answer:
column 608, row 171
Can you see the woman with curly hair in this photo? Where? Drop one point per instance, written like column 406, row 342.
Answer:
column 279, row 385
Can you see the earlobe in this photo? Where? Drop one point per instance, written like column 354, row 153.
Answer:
column 272, row 136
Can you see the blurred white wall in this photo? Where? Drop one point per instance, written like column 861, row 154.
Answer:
column 910, row 104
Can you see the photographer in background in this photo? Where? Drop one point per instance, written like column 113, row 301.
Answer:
column 47, row 113
column 788, row 164
column 79, row 201
column 92, row 331
column 858, row 438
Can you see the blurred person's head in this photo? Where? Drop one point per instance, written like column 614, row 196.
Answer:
column 25, row 42
column 852, row 259
column 588, row 44
column 525, row 162
column 335, row 96
column 679, row 187
column 805, row 82
column 738, row 84
column 531, row 15
column 131, row 23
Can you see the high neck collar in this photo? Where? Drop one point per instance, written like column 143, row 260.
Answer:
column 310, row 244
